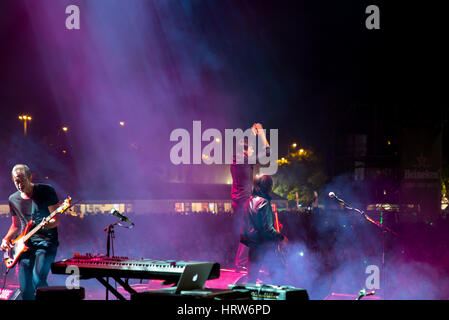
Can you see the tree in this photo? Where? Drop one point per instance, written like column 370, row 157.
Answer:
column 302, row 172
column 444, row 185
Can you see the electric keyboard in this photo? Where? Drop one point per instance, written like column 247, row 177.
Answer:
column 123, row 267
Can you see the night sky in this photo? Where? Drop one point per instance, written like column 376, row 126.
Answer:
column 310, row 69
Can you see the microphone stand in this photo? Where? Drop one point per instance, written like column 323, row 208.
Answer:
column 384, row 231
column 110, row 243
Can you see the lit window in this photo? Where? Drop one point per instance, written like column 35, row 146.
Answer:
column 196, row 206
column 179, row 207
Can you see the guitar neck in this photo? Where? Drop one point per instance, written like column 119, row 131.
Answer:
column 276, row 221
column 39, row 226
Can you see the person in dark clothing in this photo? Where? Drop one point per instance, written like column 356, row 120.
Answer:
column 33, row 202
column 258, row 232
column 242, row 174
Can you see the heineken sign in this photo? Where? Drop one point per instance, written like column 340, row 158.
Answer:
column 421, row 171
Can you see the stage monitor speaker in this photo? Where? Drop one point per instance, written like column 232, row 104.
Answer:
column 206, row 294
column 271, row 292
column 9, row 294
column 60, row 293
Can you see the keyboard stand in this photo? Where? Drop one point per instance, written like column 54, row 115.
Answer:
column 117, row 294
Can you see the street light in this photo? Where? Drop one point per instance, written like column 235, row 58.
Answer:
column 293, row 145
column 25, row 118
column 282, row 160
column 65, row 129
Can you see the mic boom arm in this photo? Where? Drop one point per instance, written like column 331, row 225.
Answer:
column 123, row 218
column 362, row 213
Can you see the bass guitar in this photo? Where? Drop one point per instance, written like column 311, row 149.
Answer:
column 18, row 245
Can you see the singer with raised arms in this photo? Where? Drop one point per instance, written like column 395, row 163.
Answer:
column 242, row 173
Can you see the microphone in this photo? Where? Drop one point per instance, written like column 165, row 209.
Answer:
column 115, row 212
column 333, row 196
column 363, row 293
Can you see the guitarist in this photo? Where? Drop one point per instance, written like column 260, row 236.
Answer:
column 259, row 232
column 33, row 201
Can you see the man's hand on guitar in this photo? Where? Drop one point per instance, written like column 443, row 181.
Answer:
column 48, row 224
column 45, row 223
column 6, row 244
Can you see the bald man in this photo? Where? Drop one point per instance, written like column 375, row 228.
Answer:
column 32, row 201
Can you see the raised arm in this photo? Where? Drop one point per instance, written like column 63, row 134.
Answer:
column 258, row 130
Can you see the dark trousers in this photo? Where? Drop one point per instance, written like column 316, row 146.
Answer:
column 265, row 257
column 34, row 266
column 241, row 256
